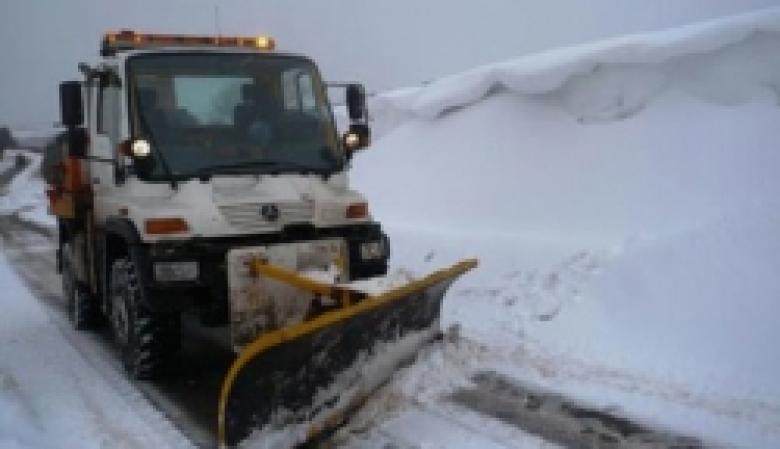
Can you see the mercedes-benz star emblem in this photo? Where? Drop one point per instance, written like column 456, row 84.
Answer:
column 270, row 212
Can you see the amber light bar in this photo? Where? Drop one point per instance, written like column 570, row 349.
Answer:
column 130, row 40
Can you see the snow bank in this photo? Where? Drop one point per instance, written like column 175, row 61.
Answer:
column 622, row 199
column 715, row 286
column 512, row 165
column 35, row 138
column 691, row 317
column 27, row 199
column 725, row 61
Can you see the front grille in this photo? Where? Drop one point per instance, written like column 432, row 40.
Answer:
column 246, row 216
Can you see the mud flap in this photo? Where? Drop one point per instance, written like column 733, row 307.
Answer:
column 289, row 385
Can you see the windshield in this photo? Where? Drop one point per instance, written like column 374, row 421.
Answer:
column 242, row 112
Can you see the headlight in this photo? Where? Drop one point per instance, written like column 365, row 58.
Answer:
column 175, row 271
column 372, row 250
column 140, row 148
column 351, row 140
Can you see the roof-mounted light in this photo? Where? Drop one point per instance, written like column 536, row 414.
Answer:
column 130, row 40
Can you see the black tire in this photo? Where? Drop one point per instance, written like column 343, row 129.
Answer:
column 83, row 309
column 149, row 340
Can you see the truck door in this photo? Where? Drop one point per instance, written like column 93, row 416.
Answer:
column 104, row 135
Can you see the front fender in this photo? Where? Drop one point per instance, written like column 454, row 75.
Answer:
column 120, row 238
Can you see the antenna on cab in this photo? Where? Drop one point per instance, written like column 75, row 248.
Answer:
column 216, row 21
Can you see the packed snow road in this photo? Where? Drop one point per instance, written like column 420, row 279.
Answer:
column 188, row 401
column 485, row 410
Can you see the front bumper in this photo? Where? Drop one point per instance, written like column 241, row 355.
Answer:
column 209, row 255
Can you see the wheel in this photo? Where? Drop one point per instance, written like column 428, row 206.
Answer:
column 83, row 309
column 149, row 340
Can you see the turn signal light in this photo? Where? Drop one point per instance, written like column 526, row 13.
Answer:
column 165, row 226
column 357, row 210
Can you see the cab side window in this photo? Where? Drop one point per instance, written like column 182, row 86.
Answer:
column 108, row 110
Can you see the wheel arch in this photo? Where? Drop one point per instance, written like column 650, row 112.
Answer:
column 120, row 239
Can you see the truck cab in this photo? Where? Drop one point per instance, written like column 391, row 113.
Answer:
column 180, row 153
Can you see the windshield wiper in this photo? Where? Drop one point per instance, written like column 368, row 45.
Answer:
column 280, row 165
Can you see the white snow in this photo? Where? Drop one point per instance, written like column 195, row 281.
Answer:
column 51, row 397
column 622, row 198
column 725, row 61
column 28, row 200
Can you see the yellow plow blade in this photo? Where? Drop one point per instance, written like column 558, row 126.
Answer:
column 291, row 384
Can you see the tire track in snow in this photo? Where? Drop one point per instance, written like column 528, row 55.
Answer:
column 557, row 419
column 438, row 425
column 558, row 369
column 493, row 409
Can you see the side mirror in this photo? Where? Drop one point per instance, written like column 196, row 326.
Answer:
column 71, row 105
column 78, row 141
column 356, row 102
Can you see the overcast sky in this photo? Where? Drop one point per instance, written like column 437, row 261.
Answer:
column 386, row 44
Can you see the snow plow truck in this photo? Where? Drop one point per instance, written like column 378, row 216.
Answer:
column 206, row 175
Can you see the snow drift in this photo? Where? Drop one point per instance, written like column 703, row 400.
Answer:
column 622, row 197
column 726, row 61
column 702, row 146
